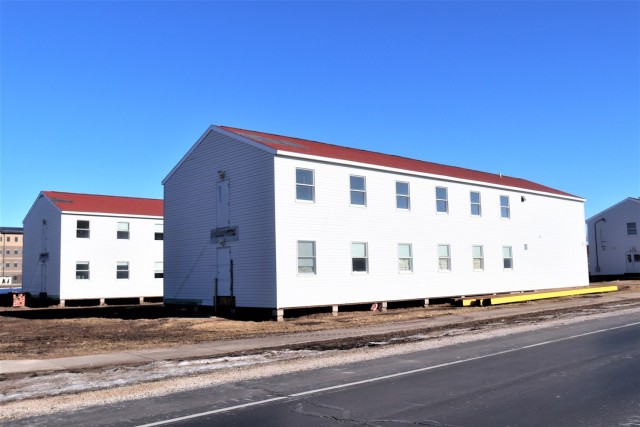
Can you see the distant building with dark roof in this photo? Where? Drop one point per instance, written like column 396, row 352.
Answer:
column 86, row 246
column 261, row 220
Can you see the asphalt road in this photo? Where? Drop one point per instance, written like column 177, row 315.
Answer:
column 582, row 374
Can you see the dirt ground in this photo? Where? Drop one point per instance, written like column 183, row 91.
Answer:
column 37, row 333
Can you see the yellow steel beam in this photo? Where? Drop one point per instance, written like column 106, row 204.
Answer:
column 506, row 299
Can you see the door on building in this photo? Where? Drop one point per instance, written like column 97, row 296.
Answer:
column 633, row 262
column 224, row 279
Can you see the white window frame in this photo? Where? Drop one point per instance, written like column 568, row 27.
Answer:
column 82, row 270
column 123, row 230
column 402, row 196
column 446, row 258
column 81, row 231
column 477, row 204
column 305, row 185
column 479, row 257
column 365, row 258
column 507, row 257
column 405, row 263
column 357, row 191
column 158, row 270
column 159, row 232
column 441, row 200
column 120, row 271
column 632, row 228
column 505, row 209
column 311, row 257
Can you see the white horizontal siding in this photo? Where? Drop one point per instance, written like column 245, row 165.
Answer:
column 103, row 250
column 552, row 228
column 38, row 277
column 190, row 216
column 613, row 242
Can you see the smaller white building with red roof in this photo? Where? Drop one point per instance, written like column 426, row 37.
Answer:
column 267, row 221
column 93, row 247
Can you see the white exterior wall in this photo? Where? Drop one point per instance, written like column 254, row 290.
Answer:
column 613, row 243
column 190, row 216
column 551, row 227
column 40, row 277
column 103, row 250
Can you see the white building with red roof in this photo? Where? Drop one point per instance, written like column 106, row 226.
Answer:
column 267, row 221
column 93, row 247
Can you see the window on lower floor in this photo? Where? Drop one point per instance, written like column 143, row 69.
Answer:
column 122, row 270
column 444, row 258
column 306, row 257
column 82, row 270
column 359, row 262
column 405, row 257
column 632, row 229
column 123, row 230
column 159, row 270
column 507, row 258
column 82, row 229
column 478, row 257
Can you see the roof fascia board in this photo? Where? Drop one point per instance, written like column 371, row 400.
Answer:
column 115, row 215
column 214, row 128
column 631, row 199
column 421, row 174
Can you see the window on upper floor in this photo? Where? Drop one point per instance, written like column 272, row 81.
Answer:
column 507, row 258
column 442, row 200
column 122, row 270
column 305, row 186
column 478, row 257
column 358, row 189
column 82, row 229
column 82, row 270
column 444, row 258
column 632, row 229
column 158, row 270
column 123, row 230
column 402, row 195
column 505, row 210
column 405, row 257
column 306, row 257
column 159, row 232
column 359, row 258
column 476, row 208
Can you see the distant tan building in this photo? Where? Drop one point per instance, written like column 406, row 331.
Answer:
column 11, row 269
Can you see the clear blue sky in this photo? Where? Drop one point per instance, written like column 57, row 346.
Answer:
column 105, row 97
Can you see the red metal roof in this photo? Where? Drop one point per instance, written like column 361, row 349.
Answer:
column 73, row 202
column 314, row 148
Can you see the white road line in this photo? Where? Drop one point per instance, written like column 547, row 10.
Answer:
column 381, row 378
